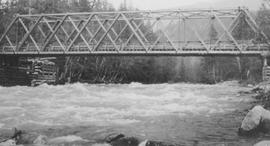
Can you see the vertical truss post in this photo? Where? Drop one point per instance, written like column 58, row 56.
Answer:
column 179, row 33
column 184, row 28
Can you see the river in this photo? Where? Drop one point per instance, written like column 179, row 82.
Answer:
column 185, row 114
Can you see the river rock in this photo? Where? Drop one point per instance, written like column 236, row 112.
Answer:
column 126, row 141
column 66, row 139
column 122, row 140
column 253, row 118
column 105, row 144
column 41, row 140
column 257, row 118
column 262, row 87
column 144, row 143
column 26, row 137
column 114, row 137
column 263, row 143
column 154, row 143
column 10, row 142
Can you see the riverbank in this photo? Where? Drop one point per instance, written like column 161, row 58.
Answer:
column 262, row 94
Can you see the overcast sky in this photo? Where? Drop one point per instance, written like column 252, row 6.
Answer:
column 166, row 4
column 156, row 4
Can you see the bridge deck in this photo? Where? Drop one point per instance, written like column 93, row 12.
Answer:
column 138, row 51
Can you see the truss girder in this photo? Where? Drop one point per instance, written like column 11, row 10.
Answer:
column 176, row 32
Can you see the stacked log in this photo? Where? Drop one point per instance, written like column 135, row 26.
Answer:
column 30, row 72
column 266, row 73
column 43, row 71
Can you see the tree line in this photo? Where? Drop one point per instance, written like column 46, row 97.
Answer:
column 141, row 69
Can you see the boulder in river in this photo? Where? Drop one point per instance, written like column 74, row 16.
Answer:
column 126, row 141
column 113, row 137
column 262, row 87
column 257, row 119
column 263, row 143
column 122, row 140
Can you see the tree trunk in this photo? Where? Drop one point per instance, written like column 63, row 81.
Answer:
column 238, row 59
column 214, row 69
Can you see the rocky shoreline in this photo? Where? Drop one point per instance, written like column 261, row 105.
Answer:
column 23, row 138
column 257, row 119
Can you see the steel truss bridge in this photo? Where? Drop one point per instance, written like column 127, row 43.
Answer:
column 166, row 32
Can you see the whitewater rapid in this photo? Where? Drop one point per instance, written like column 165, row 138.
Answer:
column 155, row 111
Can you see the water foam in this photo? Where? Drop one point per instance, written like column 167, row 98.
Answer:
column 113, row 104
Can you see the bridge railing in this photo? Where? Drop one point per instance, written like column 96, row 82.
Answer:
column 138, row 48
